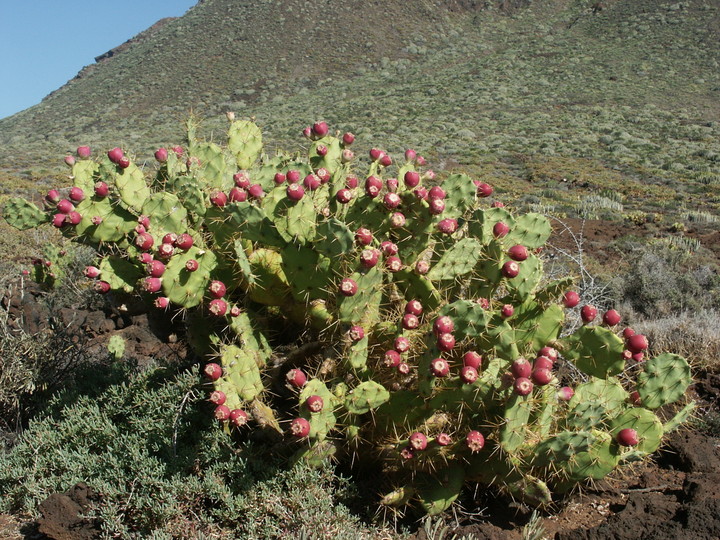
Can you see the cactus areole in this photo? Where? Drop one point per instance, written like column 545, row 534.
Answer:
column 365, row 308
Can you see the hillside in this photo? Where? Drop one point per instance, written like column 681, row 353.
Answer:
column 621, row 96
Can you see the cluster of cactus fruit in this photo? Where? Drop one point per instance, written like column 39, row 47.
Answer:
column 415, row 306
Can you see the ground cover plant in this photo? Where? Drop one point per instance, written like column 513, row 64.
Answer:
column 419, row 329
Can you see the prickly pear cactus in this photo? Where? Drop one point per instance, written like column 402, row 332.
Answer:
column 417, row 321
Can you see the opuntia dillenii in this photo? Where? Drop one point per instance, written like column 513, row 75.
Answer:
column 522, row 386
column 344, row 196
column 83, row 152
column 348, row 138
column 256, row 191
column 314, row 403
column 373, row 185
column 321, row 150
column 235, row 311
column 162, row 302
column 550, row 352
column 238, row 417
column 320, row 129
column 65, row 206
column 242, row 179
column 192, row 265
column 73, row 218
column 475, row 441
column 447, row 226
column 638, row 356
column 588, row 313
column 543, row 362
column 144, row 241
column 468, row 374
column 542, row 376
column 53, row 196
column 218, row 307
column 407, row 453
column 436, row 206
column 217, row 289
column 637, row 343
column 115, row 155
column 218, row 198
column 635, row 398
column 446, row 342
column 391, row 200
column 392, row 358
column 296, row 378
column 144, row 221
column 500, row 229
column 421, row 193
column 628, row 332
column 218, row 397
column 418, row 441
column 401, row 344
column 389, row 248
column 472, row 359
column 571, row 299
column 76, row 194
column 483, row 189
column 101, row 189
column 410, row 154
column 237, row 194
column 299, row 428
column 510, row 269
column 184, row 241
column 565, row 393
column 92, row 272
column 161, row 154
column 369, row 257
column 124, row 162
column 213, row 371
column 393, row 264
column 410, row 321
column 363, row 236
column 414, row 307
column 152, row 284
column 351, row 182
column 439, row 367
column 356, row 333
column 101, row 287
column 443, row 439
column 436, row 192
column 521, row 368
column 397, row 220
column 222, row 412
column 443, row 325
column 611, row 317
column 376, row 154
column 518, row 252
column 403, row 368
column 627, row 437
column 295, row 192
column 422, row 267
column 165, row 250
column 507, row 311
column 348, row 287
column 156, row 269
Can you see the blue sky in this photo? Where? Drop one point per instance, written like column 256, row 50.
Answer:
column 44, row 43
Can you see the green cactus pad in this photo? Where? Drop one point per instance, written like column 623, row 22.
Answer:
column 166, row 215
column 460, row 191
column 183, row 287
column 553, row 291
column 23, row 214
column 131, row 186
column 457, row 261
column 243, row 263
column 191, row 197
column 254, row 224
column 213, row 173
column 365, row 397
column 357, row 354
column 270, row 286
column 308, row 273
column 530, row 490
column 561, row 447
column 321, row 422
column 438, row 491
column 241, row 370
column 83, row 174
column 315, row 455
column 648, row 427
column 120, row 273
column 521, row 286
column 364, row 307
column 251, row 339
column 482, row 222
column 398, row 497
column 418, row 287
column 544, row 418
column 680, row 418
column 535, row 327
column 404, row 407
column 596, row 401
column 595, row 463
column 245, row 142
column 116, row 222
column 530, row 230
column 330, row 161
column 333, row 238
column 585, row 415
column 664, row 380
column 295, row 220
column 596, row 351
column 514, row 430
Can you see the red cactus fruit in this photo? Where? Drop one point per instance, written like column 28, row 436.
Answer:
column 292, row 176
column 92, row 272
column 628, row 333
column 414, row 306
column 115, row 155
column 155, row 268
column 184, row 241
column 637, row 343
column 237, row 194
column 436, row 206
column 443, row 439
column 344, row 196
column 418, row 441
column 321, row 150
column 217, row 289
column 356, row 333
column 411, row 179
column 401, row 344
column 76, row 194
column 218, row 397
column 588, row 313
column 386, row 160
column 101, row 189
column 468, row 374
column 627, row 437
column 393, row 264
column 320, row 129
column 242, row 179
column 83, row 152
column 389, row 248
column 213, row 371
column 521, row 368
column 124, row 162
column 421, row 193
column 439, row 367
column 392, row 184
column 218, row 198
column 53, row 196
column 101, row 287
column 238, row 417
column 510, row 269
column 295, row 192
column 407, row 453
column 299, row 428
column 397, row 220
column 518, row 252
column 611, row 317
column 542, row 376
column 144, row 221
column 446, row 342
column 65, row 206
column 436, row 192
column 443, row 325
column 363, row 236
column 392, row 358
column 500, row 229
column 351, row 182
column 507, row 311
column 192, row 265
column 638, row 357
column 475, row 441
column 369, row 257
column 410, row 321
column 422, row 267
column 550, row 352
column 161, row 154
column 256, row 191
column 483, row 189
column 571, row 299
column 391, row 200
column 162, row 302
column 235, row 311
column 472, row 359
column 222, row 412
column 348, row 287
column 218, row 307
column 314, row 403
column 151, row 284
column 410, row 154
column 73, row 218
column 447, row 225
column 348, row 138
column 522, row 386
column 296, row 377
column 403, row 368
column 635, row 398
column 544, row 362
column 565, row 393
